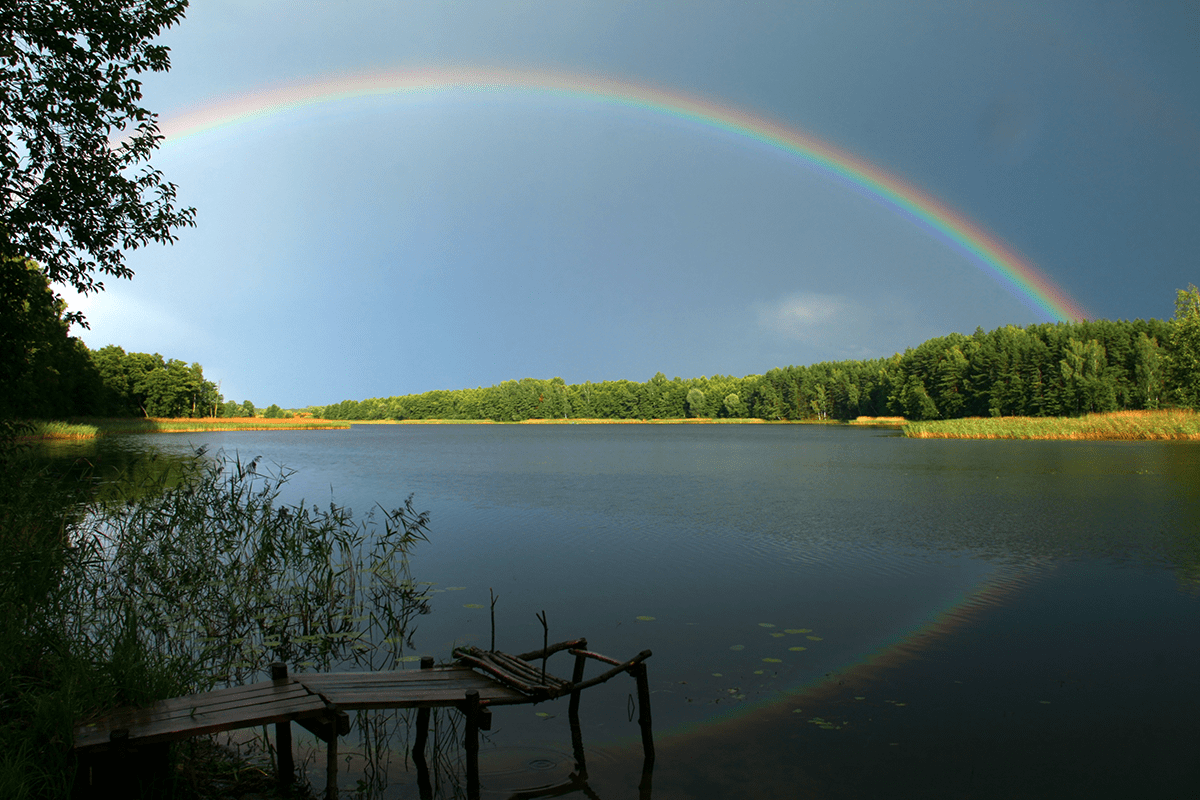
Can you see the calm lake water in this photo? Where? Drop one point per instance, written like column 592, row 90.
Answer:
column 834, row 612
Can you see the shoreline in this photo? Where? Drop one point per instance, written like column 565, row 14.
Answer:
column 1161, row 425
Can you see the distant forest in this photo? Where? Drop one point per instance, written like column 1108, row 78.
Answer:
column 45, row 373
column 1053, row 369
column 1059, row 369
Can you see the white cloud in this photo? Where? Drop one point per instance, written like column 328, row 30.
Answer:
column 811, row 317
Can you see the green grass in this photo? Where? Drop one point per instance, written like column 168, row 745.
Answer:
column 1117, row 425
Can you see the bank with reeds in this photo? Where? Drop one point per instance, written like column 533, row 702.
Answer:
column 1168, row 424
column 92, row 428
column 183, row 577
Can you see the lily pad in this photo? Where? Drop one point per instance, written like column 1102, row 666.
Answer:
column 766, row 624
column 472, row 605
column 773, row 660
column 645, row 619
column 738, row 647
column 798, row 630
column 797, row 649
column 778, row 635
column 814, row 638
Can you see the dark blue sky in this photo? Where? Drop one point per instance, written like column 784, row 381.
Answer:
column 397, row 244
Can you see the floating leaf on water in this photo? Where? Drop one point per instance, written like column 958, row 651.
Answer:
column 778, row 635
column 798, row 630
column 717, row 675
column 410, row 659
column 797, row 649
column 814, row 638
column 758, row 672
column 797, row 710
column 472, row 605
column 766, row 624
column 739, row 697
column 860, row 698
column 1044, row 702
column 543, row 714
column 645, row 619
column 773, row 660
column 738, row 647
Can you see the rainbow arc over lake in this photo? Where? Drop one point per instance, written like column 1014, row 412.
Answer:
column 988, row 252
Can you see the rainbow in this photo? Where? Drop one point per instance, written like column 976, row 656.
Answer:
column 994, row 257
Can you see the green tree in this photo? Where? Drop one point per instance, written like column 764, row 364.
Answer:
column 71, row 199
column 44, row 372
column 1183, row 355
column 274, row 412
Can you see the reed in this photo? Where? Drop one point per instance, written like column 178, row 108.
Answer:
column 90, row 428
column 1167, row 424
column 181, row 579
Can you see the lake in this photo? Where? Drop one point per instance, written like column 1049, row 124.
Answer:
column 834, row 611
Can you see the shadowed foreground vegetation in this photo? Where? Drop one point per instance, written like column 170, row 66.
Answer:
column 166, row 581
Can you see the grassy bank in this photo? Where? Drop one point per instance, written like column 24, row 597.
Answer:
column 91, row 428
column 1127, row 425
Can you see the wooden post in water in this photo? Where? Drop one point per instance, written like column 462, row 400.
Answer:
column 331, row 767
column 285, row 768
column 424, row 785
column 643, row 690
column 471, row 742
column 577, row 676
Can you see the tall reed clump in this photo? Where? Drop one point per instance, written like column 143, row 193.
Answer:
column 1178, row 423
column 187, row 578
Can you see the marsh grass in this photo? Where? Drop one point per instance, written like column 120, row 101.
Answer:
column 174, row 580
column 1178, row 424
column 91, row 428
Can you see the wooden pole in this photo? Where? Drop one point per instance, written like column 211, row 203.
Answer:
column 577, row 677
column 285, row 768
column 424, row 787
column 494, row 599
column 545, row 642
column 643, row 689
column 331, row 768
column 471, row 743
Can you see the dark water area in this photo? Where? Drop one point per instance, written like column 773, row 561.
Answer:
column 834, row 612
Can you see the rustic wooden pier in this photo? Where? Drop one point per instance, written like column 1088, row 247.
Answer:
column 132, row 739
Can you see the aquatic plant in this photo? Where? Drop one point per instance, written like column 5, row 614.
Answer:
column 175, row 580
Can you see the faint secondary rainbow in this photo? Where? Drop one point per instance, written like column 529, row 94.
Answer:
column 988, row 252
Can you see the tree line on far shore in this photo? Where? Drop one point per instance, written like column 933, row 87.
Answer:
column 1051, row 369
column 46, row 373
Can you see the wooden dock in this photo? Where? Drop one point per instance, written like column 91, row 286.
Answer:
column 112, row 745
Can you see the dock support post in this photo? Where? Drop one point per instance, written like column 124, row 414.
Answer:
column 577, row 675
column 285, row 767
column 643, row 689
column 331, row 768
column 424, row 786
column 471, row 743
